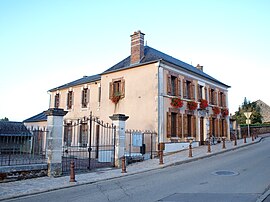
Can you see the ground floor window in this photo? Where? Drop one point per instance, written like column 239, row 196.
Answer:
column 68, row 134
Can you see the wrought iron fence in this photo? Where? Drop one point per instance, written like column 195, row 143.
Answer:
column 90, row 143
column 140, row 145
column 28, row 148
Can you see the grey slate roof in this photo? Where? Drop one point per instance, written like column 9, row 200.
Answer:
column 37, row 118
column 10, row 128
column 85, row 79
column 151, row 55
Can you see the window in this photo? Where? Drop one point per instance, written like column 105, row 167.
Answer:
column 57, row 100
column 188, row 89
column 173, row 85
column 222, row 99
column 85, row 97
column 212, row 96
column 69, row 99
column 68, row 134
column 83, row 135
column 117, row 88
column 174, row 124
column 190, row 125
column 200, row 92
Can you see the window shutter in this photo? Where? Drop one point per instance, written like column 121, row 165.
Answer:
column 72, row 98
column 169, row 124
column 169, row 85
column 179, row 123
column 216, row 128
column 198, row 93
column 184, row 88
column 177, row 87
column 111, row 90
column 180, row 87
column 87, row 96
column 211, row 126
column 224, row 101
column 185, row 125
column 220, row 128
column 210, row 96
column 225, row 127
column 215, row 98
column 193, row 126
column 122, row 88
column 192, row 91
column 205, row 91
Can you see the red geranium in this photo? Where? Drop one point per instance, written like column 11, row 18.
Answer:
column 216, row 110
column 203, row 104
column 177, row 102
column 225, row 112
column 192, row 105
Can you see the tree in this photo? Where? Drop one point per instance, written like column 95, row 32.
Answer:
column 4, row 119
column 248, row 106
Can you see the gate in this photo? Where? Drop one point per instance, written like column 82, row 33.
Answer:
column 88, row 142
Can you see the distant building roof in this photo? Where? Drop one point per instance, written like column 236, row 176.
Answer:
column 37, row 118
column 85, row 79
column 10, row 128
column 152, row 55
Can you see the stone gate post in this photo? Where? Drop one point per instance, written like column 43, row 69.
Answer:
column 120, row 137
column 54, row 140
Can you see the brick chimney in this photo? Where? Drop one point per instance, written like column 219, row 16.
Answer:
column 199, row 67
column 137, row 47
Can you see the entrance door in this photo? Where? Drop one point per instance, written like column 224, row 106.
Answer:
column 201, row 131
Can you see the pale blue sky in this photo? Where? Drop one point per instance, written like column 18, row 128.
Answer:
column 44, row 44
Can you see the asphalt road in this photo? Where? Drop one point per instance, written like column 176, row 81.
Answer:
column 241, row 175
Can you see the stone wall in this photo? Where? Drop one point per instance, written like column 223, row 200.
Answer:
column 255, row 130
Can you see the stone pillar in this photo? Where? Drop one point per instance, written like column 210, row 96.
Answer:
column 54, row 140
column 119, row 120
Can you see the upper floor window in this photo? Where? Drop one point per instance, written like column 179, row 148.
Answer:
column 222, row 99
column 200, row 92
column 212, row 96
column 117, row 88
column 173, row 85
column 188, row 90
column 85, row 97
column 69, row 99
column 56, row 100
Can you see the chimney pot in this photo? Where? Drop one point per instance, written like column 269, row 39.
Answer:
column 199, row 67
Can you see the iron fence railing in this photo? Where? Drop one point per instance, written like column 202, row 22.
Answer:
column 23, row 150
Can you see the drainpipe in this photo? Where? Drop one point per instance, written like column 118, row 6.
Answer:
column 160, row 101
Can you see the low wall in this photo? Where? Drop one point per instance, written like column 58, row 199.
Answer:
column 19, row 172
column 178, row 146
column 255, row 130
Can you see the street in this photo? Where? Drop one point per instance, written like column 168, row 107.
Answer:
column 240, row 175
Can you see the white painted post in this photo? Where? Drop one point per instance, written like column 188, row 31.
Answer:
column 119, row 120
column 54, row 140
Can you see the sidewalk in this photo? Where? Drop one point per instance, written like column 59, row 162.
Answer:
column 39, row 185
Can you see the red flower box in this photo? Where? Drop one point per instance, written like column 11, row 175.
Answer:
column 192, row 105
column 177, row 102
column 115, row 99
column 203, row 104
column 216, row 110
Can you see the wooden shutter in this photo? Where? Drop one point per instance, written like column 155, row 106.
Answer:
column 185, row 125
column 211, row 126
column 193, row 126
column 169, row 124
column 215, row 98
column 205, row 91
column 169, row 85
column 184, row 88
column 192, row 91
column 216, row 127
column 122, row 88
column 224, row 100
column 199, row 93
column 179, row 125
column 111, row 90
column 220, row 128
column 179, row 87
column 176, row 86
column 225, row 127
column 88, row 96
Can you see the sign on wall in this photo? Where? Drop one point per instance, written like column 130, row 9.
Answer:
column 137, row 139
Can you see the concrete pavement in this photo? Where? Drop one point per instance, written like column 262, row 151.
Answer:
column 39, row 185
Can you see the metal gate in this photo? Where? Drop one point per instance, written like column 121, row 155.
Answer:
column 88, row 142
